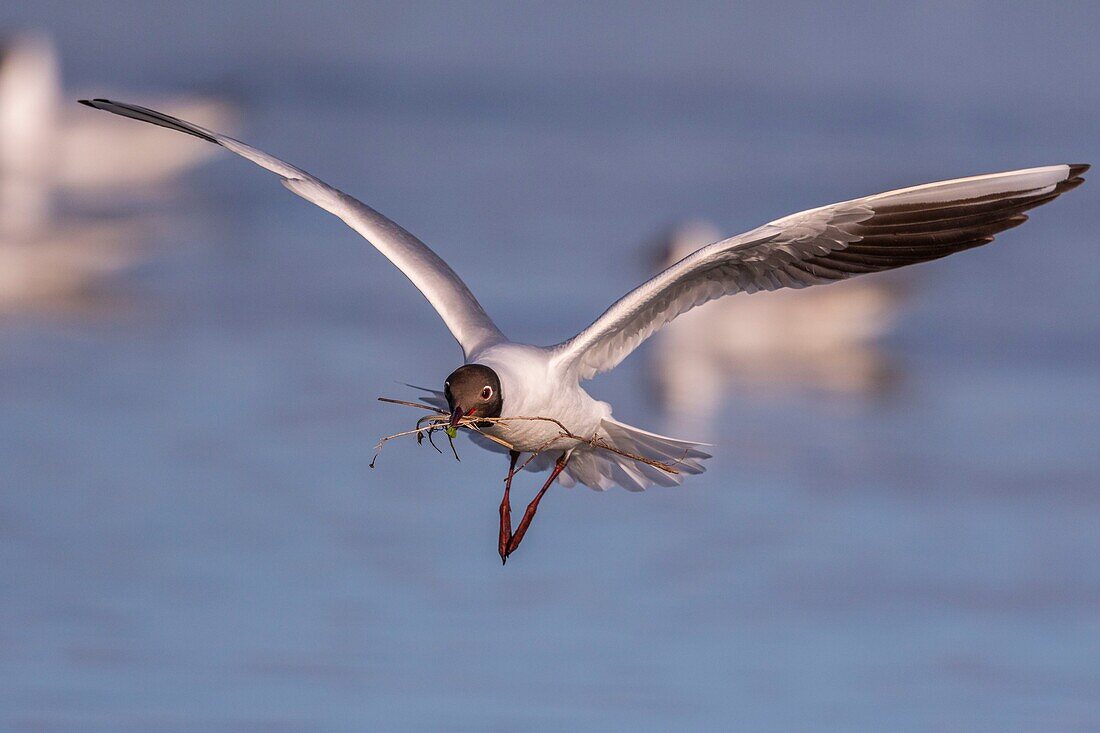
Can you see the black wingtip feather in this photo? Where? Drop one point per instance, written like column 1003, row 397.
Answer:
column 144, row 114
column 1068, row 185
column 905, row 235
column 1077, row 169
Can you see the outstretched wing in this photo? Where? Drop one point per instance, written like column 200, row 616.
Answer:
column 818, row 246
column 458, row 307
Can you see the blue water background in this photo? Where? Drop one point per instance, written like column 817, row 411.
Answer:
column 191, row 537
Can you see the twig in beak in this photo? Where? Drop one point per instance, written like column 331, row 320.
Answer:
column 441, row 419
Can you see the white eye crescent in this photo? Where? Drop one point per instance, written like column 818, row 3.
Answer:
column 486, row 393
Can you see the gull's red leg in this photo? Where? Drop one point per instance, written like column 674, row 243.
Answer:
column 506, row 509
column 533, row 507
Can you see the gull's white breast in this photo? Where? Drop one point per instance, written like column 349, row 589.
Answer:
column 533, row 388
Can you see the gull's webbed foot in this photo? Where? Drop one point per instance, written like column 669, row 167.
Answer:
column 506, row 510
column 533, row 507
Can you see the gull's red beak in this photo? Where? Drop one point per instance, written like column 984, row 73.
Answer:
column 456, row 416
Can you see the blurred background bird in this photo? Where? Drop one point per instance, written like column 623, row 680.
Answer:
column 65, row 179
column 806, row 342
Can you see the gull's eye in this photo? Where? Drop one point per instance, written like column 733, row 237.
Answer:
column 486, row 393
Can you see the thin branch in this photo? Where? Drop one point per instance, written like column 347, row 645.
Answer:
column 431, row 429
column 440, row 420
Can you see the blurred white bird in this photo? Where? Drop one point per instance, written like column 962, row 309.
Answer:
column 816, row 339
column 50, row 153
column 29, row 150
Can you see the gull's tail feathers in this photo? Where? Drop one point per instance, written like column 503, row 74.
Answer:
column 602, row 469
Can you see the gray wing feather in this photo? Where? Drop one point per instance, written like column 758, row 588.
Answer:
column 464, row 316
column 819, row 246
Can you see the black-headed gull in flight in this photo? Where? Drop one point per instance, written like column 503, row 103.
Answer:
column 503, row 378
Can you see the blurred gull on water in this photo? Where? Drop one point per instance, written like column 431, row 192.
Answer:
column 819, row 340
column 54, row 156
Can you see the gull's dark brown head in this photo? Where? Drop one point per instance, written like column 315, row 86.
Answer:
column 473, row 390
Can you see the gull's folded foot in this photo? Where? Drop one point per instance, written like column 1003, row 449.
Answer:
column 506, row 510
column 533, row 507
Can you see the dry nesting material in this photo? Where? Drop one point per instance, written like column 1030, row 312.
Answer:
column 439, row 420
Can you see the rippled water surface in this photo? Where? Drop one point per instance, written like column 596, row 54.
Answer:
column 191, row 537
